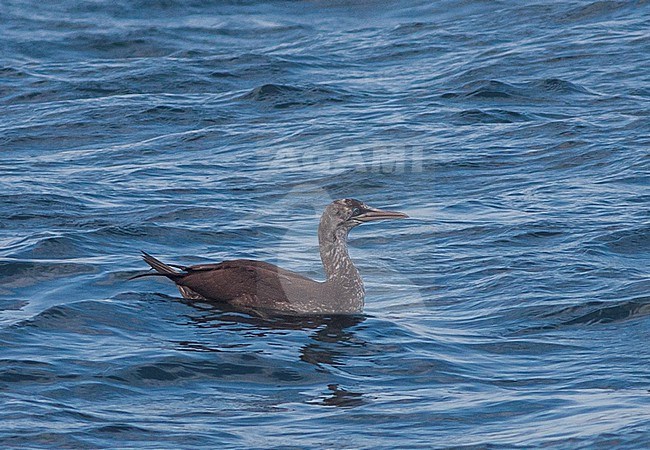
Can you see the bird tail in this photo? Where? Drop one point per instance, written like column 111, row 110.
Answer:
column 162, row 269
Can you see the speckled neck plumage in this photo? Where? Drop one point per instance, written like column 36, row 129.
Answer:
column 343, row 278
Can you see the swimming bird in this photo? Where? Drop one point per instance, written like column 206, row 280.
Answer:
column 257, row 285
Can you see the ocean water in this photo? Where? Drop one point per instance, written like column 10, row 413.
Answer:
column 511, row 311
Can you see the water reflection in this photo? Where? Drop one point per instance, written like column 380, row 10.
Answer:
column 323, row 348
column 328, row 343
column 339, row 397
column 329, row 328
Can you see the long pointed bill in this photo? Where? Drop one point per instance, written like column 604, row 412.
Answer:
column 371, row 214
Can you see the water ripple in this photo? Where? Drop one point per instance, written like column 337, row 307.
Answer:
column 510, row 311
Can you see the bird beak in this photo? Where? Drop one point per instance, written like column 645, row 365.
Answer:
column 370, row 214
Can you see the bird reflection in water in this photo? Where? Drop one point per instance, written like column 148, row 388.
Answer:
column 330, row 339
column 331, row 329
column 340, row 397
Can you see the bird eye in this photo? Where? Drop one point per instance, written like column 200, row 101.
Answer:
column 356, row 211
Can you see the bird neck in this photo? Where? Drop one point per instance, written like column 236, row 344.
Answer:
column 336, row 260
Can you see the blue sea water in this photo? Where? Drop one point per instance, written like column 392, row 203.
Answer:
column 511, row 311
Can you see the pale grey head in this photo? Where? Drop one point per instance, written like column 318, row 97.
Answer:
column 341, row 216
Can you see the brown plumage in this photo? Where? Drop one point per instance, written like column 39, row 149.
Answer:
column 253, row 284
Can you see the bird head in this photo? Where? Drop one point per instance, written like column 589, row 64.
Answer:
column 346, row 214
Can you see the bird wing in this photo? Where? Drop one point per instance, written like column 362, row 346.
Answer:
column 246, row 263
column 247, row 283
